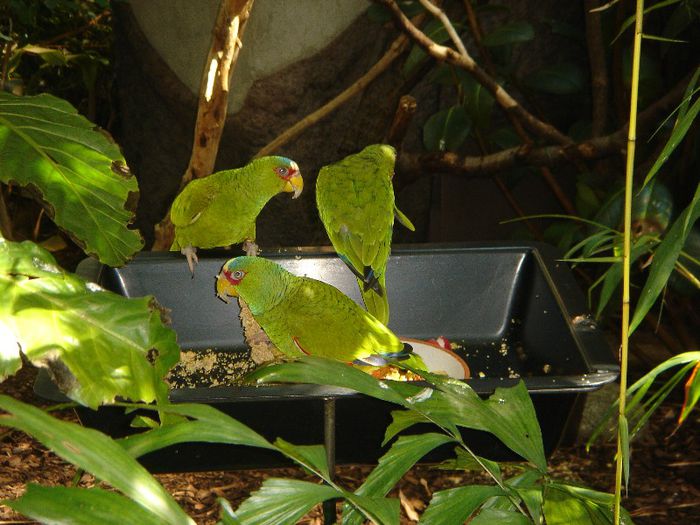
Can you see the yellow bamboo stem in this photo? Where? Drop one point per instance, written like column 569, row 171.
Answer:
column 627, row 248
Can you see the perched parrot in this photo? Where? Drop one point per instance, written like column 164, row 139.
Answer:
column 221, row 209
column 355, row 200
column 301, row 315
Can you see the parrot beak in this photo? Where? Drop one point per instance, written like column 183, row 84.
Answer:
column 295, row 183
column 224, row 289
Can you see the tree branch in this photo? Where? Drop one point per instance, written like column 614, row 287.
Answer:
column 405, row 110
column 213, row 100
column 466, row 62
column 412, row 166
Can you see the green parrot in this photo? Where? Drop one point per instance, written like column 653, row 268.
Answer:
column 355, row 200
column 221, row 209
column 301, row 315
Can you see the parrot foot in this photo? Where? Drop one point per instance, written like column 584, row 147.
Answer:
column 191, row 253
column 251, row 249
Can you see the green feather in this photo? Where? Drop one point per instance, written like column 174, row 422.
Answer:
column 355, row 200
column 221, row 209
column 302, row 315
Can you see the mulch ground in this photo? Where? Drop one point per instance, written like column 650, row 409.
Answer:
column 665, row 485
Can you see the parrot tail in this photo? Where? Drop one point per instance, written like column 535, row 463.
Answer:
column 385, row 359
column 376, row 303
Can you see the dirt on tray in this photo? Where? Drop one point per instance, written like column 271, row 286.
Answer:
column 665, row 484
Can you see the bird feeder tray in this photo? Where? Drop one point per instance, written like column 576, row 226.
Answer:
column 509, row 311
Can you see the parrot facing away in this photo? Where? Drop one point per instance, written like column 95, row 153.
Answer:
column 221, row 209
column 301, row 315
column 355, row 200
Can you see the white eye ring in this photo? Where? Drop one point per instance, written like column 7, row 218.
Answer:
column 238, row 275
column 282, row 171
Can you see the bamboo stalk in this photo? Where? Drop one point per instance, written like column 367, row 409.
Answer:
column 626, row 255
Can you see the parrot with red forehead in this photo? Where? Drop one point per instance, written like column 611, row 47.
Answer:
column 355, row 200
column 221, row 209
column 301, row 315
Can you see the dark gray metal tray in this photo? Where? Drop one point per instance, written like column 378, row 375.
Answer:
column 513, row 309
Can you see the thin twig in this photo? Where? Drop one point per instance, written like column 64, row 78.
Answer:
column 75, row 31
column 466, row 62
column 395, row 50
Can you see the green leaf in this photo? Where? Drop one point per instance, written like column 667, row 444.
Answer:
column 210, row 426
column 312, row 457
column 692, row 393
column 453, row 506
column 630, row 20
column 508, row 414
column 566, row 504
column 624, row 447
column 565, row 78
column 81, row 325
column 96, row 453
column 665, row 260
column 227, row 516
column 378, row 510
column 402, row 455
column 467, row 461
column 282, row 501
column 500, row 516
column 509, row 33
column 683, row 124
column 76, row 171
column 447, row 130
column 53, row 57
column 77, row 506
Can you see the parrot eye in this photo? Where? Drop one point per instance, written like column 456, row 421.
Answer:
column 282, row 171
column 238, row 275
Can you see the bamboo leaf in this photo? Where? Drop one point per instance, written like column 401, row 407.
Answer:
column 665, row 259
column 692, row 393
column 447, row 130
column 77, row 173
column 630, row 20
column 624, row 448
column 78, row 506
column 466, row 461
column 96, row 453
column 453, row 506
column 81, row 325
column 680, row 130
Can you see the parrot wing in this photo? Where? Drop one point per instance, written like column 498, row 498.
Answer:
column 194, row 200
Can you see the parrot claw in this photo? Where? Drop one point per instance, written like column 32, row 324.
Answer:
column 191, row 253
column 251, row 249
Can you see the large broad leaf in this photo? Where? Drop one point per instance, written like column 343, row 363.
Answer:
column 437, row 33
column 565, row 78
column 76, row 171
column 77, row 506
column 95, row 453
column 510, row 33
column 312, row 457
column 282, row 501
column 112, row 346
column 403, row 454
column 452, row 506
column 665, row 259
column 447, row 130
column 500, row 516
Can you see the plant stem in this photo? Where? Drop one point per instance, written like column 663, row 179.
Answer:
column 626, row 255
